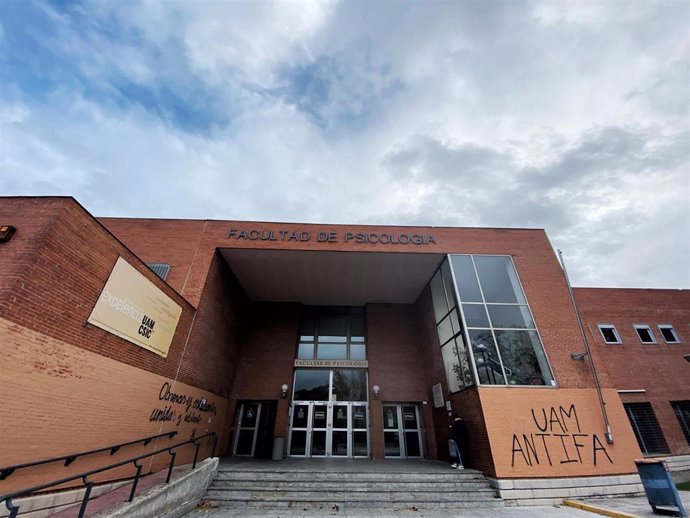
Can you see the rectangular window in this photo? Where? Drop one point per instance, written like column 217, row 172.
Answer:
column 646, row 428
column 160, row 269
column 644, row 333
column 332, row 333
column 453, row 348
column 501, row 331
column 682, row 411
column 669, row 334
column 610, row 334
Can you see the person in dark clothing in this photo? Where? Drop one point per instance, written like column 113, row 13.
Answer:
column 458, row 433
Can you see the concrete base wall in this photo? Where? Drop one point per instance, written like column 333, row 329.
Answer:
column 169, row 500
column 550, row 491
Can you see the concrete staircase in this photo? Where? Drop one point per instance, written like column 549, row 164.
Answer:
column 304, row 490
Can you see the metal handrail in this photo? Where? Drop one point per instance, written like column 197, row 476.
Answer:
column 13, row 509
column 71, row 457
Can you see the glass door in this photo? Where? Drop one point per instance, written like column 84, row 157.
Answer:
column 340, row 430
column 402, row 431
column 247, row 426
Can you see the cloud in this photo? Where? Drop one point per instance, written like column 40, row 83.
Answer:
column 519, row 114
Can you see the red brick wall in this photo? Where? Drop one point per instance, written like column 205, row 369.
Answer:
column 660, row 368
column 476, row 451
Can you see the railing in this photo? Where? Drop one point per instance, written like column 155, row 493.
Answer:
column 70, row 458
column 84, row 476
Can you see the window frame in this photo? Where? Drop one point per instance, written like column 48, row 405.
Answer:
column 491, row 328
column 343, row 311
column 615, row 332
column 640, row 433
column 639, row 327
column 660, row 327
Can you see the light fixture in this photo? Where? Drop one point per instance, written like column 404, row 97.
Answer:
column 376, row 389
column 284, row 390
column 578, row 357
column 687, row 357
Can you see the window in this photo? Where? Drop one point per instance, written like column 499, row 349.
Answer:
column 453, row 349
column 646, row 428
column 332, row 333
column 609, row 333
column 669, row 334
column 160, row 269
column 644, row 333
column 506, row 346
column 682, row 411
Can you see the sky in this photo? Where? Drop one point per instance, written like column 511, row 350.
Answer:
column 573, row 117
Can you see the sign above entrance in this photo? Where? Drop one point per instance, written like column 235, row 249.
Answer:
column 360, row 238
column 362, row 364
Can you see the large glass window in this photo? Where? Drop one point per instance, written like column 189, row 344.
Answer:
column 332, row 333
column 500, row 328
column 330, row 385
column 450, row 336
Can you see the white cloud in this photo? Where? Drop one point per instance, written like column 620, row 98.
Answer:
column 568, row 117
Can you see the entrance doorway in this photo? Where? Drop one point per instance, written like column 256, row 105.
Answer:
column 329, row 416
column 402, row 431
column 254, row 424
column 324, row 429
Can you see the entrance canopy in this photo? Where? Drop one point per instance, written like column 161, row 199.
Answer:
column 331, row 278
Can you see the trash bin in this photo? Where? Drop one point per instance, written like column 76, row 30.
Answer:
column 659, row 487
column 278, row 448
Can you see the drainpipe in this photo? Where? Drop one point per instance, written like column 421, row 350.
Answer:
column 588, row 353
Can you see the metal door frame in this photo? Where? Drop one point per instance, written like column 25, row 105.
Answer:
column 402, row 441
column 239, row 428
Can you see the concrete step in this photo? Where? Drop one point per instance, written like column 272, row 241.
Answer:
column 310, row 476
column 271, row 495
column 321, row 485
column 373, row 506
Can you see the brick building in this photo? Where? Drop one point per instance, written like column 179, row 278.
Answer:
column 331, row 341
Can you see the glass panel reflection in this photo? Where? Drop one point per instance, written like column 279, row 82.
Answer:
column 350, row 385
column 451, row 363
column 511, row 317
column 438, row 296
column 466, row 278
column 391, row 444
column 298, row 443
column 305, row 351
column 486, row 357
column 359, row 417
column 318, row 443
column 332, row 351
column 244, row 442
column 339, row 444
column 390, row 417
column 498, row 279
column 340, row 416
column 412, row 448
column 311, row 385
column 523, row 358
column 359, row 444
column 409, row 418
column 300, row 416
column 358, row 352
column 475, row 315
column 332, row 328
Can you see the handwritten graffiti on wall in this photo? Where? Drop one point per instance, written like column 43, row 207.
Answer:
column 558, row 438
column 180, row 407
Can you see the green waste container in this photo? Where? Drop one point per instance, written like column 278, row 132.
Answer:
column 661, row 491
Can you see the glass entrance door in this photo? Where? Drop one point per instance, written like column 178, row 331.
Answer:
column 247, row 426
column 402, row 431
column 320, row 429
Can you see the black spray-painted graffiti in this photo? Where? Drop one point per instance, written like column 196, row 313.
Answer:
column 560, row 439
column 190, row 411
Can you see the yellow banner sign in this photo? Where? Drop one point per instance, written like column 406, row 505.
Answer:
column 132, row 307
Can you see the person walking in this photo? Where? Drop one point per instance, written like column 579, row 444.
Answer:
column 458, row 433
